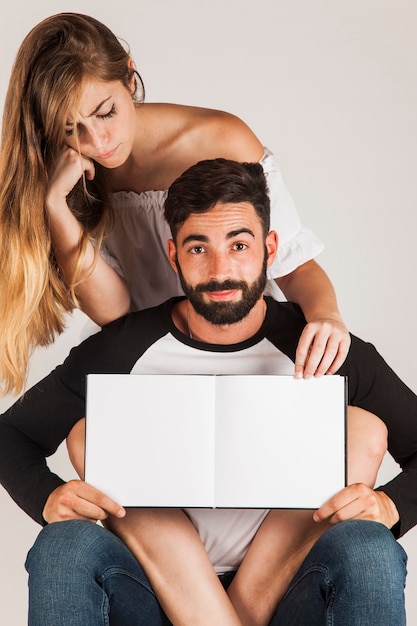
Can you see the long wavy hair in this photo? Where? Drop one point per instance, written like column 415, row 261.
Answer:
column 54, row 62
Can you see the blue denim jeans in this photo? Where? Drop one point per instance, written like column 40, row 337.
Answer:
column 82, row 575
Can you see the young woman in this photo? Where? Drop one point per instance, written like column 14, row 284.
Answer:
column 84, row 166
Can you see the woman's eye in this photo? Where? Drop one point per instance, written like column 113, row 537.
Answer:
column 106, row 116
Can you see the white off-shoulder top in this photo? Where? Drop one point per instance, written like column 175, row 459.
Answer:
column 137, row 246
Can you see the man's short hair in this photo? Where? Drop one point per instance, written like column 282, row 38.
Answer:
column 209, row 182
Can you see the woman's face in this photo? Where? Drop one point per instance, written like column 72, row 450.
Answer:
column 105, row 123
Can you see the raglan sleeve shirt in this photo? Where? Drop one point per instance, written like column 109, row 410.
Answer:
column 34, row 426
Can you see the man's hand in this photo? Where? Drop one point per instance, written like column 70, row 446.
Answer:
column 77, row 499
column 358, row 502
column 322, row 348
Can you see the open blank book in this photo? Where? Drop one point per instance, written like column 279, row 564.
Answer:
column 216, row 441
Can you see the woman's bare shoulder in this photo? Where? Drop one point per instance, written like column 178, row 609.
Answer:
column 173, row 137
column 204, row 133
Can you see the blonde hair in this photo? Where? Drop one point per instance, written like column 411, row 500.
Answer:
column 51, row 67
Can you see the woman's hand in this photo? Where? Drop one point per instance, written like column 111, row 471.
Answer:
column 325, row 341
column 66, row 172
column 322, row 348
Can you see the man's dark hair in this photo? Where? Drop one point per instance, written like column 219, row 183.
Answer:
column 209, row 182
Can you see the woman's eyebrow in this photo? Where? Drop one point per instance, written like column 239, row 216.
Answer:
column 98, row 107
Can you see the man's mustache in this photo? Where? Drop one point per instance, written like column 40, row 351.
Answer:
column 214, row 285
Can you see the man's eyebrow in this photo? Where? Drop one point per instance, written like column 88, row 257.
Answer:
column 202, row 238
column 239, row 231
column 98, row 107
column 205, row 239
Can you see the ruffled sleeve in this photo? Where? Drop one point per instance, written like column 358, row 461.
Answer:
column 296, row 243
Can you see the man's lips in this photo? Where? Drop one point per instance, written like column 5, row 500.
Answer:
column 222, row 295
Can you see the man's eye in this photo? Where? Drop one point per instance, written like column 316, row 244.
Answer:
column 197, row 249
column 239, row 246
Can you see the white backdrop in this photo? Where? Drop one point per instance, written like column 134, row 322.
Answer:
column 331, row 87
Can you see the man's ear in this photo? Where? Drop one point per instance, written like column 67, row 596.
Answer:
column 172, row 254
column 271, row 244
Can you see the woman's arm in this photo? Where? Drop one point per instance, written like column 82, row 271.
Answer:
column 325, row 341
column 102, row 294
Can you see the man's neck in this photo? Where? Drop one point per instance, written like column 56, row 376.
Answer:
column 195, row 326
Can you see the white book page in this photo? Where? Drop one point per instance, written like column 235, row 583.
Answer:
column 149, row 439
column 280, row 442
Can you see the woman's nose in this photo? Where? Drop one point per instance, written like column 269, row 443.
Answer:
column 96, row 138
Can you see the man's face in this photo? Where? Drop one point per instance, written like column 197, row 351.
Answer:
column 221, row 258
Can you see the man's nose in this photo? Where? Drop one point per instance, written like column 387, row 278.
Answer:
column 220, row 266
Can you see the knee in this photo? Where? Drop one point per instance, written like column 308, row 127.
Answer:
column 377, row 445
column 367, row 445
column 76, row 446
column 377, row 438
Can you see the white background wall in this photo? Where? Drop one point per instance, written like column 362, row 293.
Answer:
column 331, row 87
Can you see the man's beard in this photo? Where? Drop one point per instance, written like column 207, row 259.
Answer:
column 221, row 313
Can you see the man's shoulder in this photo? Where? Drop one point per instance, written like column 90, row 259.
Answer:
column 285, row 313
column 121, row 342
column 284, row 324
column 141, row 321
